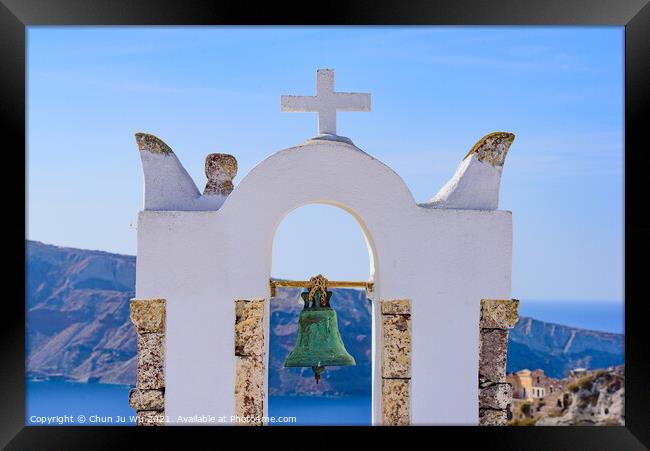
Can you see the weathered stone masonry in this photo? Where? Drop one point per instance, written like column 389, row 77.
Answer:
column 250, row 353
column 497, row 316
column 396, row 362
column 148, row 396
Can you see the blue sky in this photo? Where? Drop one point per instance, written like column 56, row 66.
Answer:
column 435, row 92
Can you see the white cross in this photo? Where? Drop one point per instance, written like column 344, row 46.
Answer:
column 326, row 102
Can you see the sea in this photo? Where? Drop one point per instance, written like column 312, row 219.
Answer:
column 63, row 403
column 60, row 403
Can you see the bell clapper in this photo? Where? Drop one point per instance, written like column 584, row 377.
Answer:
column 317, row 370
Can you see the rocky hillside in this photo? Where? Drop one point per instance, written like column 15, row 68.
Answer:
column 78, row 328
column 596, row 399
column 78, row 314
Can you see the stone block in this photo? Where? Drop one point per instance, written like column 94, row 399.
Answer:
column 490, row 417
column 249, row 328
column 151, row 361
column 396, row 307
column 396, row 351
column 496, row 396
column 150, row 418
column 493, row 348
column 147, row 399
column 499, row 313
column 148, row 315
column 395, row 402
column 249, row 390
column 247, row 309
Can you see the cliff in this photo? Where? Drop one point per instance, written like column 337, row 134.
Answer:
column 596, row 399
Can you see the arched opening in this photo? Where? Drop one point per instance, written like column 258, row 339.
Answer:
column 321, row 239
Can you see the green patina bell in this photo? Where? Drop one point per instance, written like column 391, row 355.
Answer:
column 319, row 342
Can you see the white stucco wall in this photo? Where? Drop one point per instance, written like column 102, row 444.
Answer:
column 444, row 260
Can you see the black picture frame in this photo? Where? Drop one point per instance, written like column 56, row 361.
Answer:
column 16, row 15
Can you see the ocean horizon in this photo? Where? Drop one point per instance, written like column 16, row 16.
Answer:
column 602, row 316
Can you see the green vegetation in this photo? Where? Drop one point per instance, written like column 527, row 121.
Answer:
column 525, row 421
column 585, row 382
column 554, row 413
column 600, row 373
column 524, row 408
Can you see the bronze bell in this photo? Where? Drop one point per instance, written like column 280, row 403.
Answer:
column 319, row 342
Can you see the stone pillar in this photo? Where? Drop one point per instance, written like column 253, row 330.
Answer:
column 396, row 362
column 250, row 355
column 148, row 396
column 495, row 395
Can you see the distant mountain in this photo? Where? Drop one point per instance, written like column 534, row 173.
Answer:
column 558, row 349
column 78, row 328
